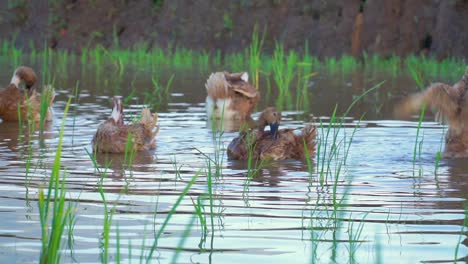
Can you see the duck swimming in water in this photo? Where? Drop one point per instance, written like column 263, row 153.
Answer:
column 28, row 101
column 112, row 135
column 451, row 104
column 274, row 144
column 230, row 96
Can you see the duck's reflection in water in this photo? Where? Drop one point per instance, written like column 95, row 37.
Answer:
column 17, row 137
column 122, row 165
column 227, row 125
column 269, row 173
column 458, row 178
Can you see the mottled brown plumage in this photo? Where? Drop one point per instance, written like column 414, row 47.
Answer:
column 29, row 101
column 451, row 104
column 230, row 96
column 274, row 144
column 112, row 135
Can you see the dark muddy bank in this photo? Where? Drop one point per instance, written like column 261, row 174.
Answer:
column 402, row 27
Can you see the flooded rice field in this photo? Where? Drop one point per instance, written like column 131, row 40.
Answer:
column 383, row 197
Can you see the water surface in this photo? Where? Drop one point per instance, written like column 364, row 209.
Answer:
column 392, row 208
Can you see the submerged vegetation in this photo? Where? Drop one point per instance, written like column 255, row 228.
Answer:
column 331, row 229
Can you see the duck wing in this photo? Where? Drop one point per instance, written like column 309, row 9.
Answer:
column 281, row 148
column 448, row 101
column 306, row 141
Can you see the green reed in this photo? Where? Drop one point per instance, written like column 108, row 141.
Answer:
column 54, row 202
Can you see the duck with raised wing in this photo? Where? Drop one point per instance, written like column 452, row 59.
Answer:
column 274, row 144
column 230, row 96
column 28, row 101
column 451, row 104
column 112, row 135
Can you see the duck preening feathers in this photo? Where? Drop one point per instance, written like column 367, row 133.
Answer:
column 113, row 136
column 275, row 144
column 16, row 103
column 230, row 96
column 451, row 105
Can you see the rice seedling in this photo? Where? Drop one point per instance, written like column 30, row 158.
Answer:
column 254, row 165
column 182, row 240
column 129, row 152
column 200, row 213
column 54, row 201
column 415, row 74
column 177, row 168
column 348, row 64
column 255, row 54
column 71, row 223
column 304, row 73
column 378, row 250
column 160, row 95
column 354, row 237
column 169, row 216
column 439, row 153
column 209, row 182
column 284, row 69
column 218, row 155
column 329, row 145
column 462, row 232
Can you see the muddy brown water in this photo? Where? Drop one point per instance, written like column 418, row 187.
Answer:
column 394, row 210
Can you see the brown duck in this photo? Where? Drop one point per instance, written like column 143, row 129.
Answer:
column 230, row 96
column 274, row 144
column 451, row 104
column 28, row 101
column 112, row 135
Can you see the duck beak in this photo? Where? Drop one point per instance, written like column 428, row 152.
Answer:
column 274, row 130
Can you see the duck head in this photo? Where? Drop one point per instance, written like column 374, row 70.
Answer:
column 24, row 74
column 117, row 110
column 271, row 117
